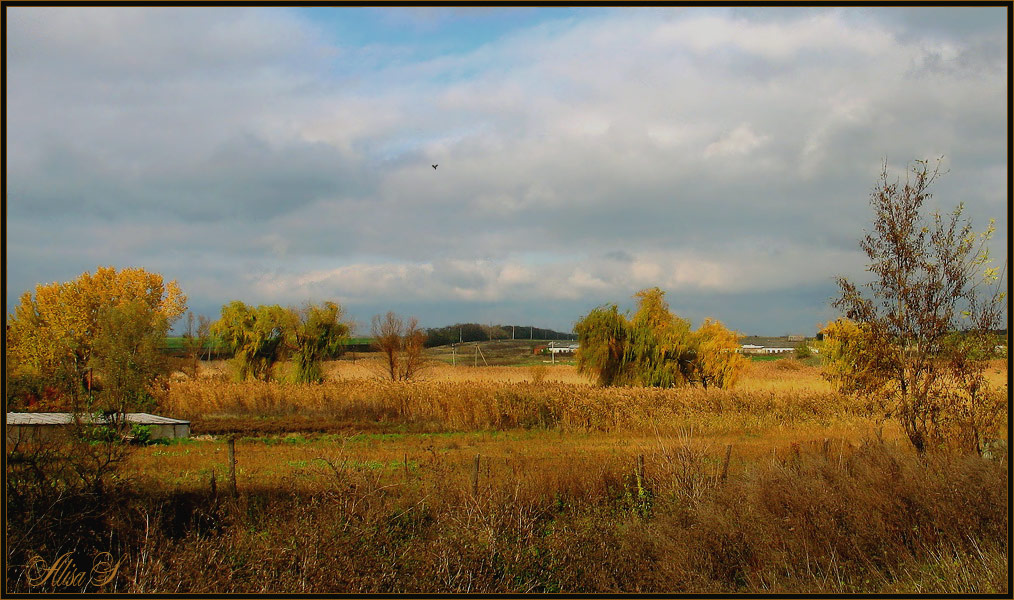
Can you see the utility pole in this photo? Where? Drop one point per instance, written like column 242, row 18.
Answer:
column 512, row 332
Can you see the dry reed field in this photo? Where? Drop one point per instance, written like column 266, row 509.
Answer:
column 532, row 480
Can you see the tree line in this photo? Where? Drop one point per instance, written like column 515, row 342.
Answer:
column 474, row 332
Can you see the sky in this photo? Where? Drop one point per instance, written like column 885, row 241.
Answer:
column 282, row 155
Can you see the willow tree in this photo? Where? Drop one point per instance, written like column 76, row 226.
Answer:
column 716, row 360
column 927, row 317
column 319, row 335
column 661, row 347
column 258, row 336
column 655, row 347
column 603, row 340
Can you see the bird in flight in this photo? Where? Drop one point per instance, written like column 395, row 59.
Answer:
column 434, row 167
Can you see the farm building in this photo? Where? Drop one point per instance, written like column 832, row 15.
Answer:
column 777, row 350
column 755, row 349
column 47, row 426
column 552, row 349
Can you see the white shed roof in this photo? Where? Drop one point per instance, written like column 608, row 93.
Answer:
column 15, row 418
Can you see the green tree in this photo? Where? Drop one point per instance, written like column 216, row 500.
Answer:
column 127, row 358
column 319, row 335
column 259, row 337
column 602, row 345
column 655, row 347
column 926, row 318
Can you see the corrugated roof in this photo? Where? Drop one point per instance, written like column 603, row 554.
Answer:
column 15, row 418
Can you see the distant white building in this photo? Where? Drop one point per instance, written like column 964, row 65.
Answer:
column 755, row 349
column 572, row 348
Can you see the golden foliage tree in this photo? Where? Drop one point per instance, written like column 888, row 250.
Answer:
column 127, row 354
column 51, row 335
column 717, row 361
column 854, row 362
column 661, row 347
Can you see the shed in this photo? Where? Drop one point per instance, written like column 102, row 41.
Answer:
column 46, row 426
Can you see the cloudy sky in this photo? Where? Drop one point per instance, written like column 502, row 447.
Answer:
column 282, row 155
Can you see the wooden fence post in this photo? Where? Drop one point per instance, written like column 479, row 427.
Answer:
column 475, row 476
column 232, row 463
column 640, row 472
column 725, row 463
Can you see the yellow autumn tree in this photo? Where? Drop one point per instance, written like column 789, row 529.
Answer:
column 51, row 335
column 717, row 362
column 660, row 342
column 853, row 360
column 655, row 347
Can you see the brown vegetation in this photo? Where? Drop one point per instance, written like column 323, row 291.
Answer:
column 840, row 518
column 365, row 485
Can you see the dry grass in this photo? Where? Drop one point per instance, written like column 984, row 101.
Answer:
column 865, row 517
column 468, row 398
column 360, row 485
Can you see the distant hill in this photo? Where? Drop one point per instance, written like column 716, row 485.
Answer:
column 498, row 353
column 476, row 332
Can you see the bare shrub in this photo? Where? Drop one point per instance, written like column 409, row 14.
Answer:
column 401, row 344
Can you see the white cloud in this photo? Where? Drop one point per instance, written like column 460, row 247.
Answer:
column 723, row 154
column 739, row 141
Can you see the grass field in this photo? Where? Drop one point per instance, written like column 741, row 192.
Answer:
column 526, row 478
